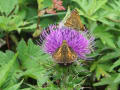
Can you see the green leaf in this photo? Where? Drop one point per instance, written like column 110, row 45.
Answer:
column 6, row 57
column 115, row 64
column 44, row 4
column 14, row 87
column 117, row 79
column 6, row 69
column 42, row 79
column 109, row 56
column 32, row 57
column 6, row 6
column 106, row 80
column 2, row 42
column 118, row 42
column 111, row 13
column 47, row 3
column 4, row 23
column 10, row 23
column 88, row 8
column 107, row 38
column 112, row 87
column 40, row 5
column 101, row 71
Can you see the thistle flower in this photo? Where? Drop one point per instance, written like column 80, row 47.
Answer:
column 80, row 42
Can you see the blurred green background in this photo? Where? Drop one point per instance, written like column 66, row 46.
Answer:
column 23, row 64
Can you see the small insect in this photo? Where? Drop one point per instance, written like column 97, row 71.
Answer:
column 64, row 54
column 73, row 21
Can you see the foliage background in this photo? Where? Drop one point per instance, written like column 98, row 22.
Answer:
column 23, row 64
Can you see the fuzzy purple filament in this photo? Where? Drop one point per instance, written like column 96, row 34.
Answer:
column 78, row 41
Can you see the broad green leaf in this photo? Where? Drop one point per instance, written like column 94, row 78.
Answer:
column 32, row 58
column 6, row 57
column 118, row 42
column 2, row 42
column 47, row 3
column 10, row 23
column 110, row 56
column 111, row 13
column 42, row 79
column 112, row 87
column 6, row 6
column 100, row 71
column 107, row 38
column 88, row 8
column 14, row 87
column 6, row 69
column 30, row 54
column 44, row 4
column 40, row 5
column 117, row 79
column 104, row 11
column 106, row 80
column 115, row 64
column 4, row 23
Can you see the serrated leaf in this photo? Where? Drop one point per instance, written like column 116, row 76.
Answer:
column 14, row 87
column 93, row 66
column 100, row 71
column 2, row 42
column 40, row 5
column 44, row 4
column 106, row 38
column 4, row 23
column 117, row 80
column 10, row 23
column 31, row 57
column 106, row 80
column 112, row 87
column 89, row 7
column 112, row 12
column 6, row 6
column 42, row 79
column 109, row 56
column 115, row 64
column 47, row 3
column 5, row 57
column 6, row 69
column 118, row 42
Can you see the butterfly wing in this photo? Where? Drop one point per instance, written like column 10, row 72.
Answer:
column 64, row 54
column 57, row 56
column 74, row 21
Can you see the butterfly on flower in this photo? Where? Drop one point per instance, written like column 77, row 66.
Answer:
column 64, row 54
column 73, row 21
column 66, row 44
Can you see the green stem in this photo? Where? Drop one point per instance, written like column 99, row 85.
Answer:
column 48, row 15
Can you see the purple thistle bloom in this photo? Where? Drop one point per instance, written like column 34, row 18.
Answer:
column 80, row 42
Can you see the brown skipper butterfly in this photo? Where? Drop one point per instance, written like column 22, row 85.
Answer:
column 73, row 21
column 64, row 54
